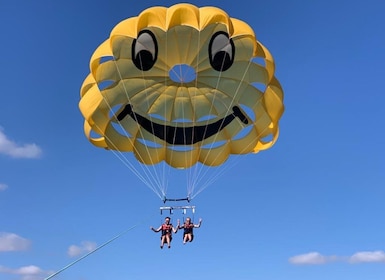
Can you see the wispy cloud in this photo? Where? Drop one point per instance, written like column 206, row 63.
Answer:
column 314, row 258
column 3, row 187
column 366, row 257
column 85, row 247
column 30, row 272
column 12, row 242
column 12, row 149
column 311, row 258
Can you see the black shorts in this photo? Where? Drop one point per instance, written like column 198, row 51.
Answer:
column 165, row 235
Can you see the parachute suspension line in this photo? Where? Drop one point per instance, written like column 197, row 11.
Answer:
column 162, row 171
column 165, row 169
column 164, row 165
column 151, row 182
column 96, row 249
column 192, row 101
column 192, row 174
column 198, row 170
column 195, row 173
column 218, row 174
column 144, row 166
column 148, row 182
column 159, row 172
column 233, row 98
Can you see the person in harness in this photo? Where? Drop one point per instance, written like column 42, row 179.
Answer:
column 167, row 229
column 188, row 227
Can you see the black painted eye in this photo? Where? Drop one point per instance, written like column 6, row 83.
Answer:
column 144, row 50
column 221, row 51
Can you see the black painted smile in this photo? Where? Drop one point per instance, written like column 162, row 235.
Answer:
column 182, row 135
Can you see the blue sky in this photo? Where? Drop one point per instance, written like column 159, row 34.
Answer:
column 311, row 207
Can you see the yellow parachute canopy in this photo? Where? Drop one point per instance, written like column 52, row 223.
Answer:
column 182, row 85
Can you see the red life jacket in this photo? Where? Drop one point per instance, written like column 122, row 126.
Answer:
column 166, row 229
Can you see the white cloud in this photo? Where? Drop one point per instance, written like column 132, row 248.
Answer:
column 313, row 258
column 13, row 242
column 85, row 247
column 30, row 272
column 3, row 187
column 366, row 257
column 10, row 148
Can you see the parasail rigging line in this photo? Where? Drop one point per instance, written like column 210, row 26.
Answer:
column 96, row 249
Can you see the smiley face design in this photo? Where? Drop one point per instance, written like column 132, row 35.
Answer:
column 182, row 85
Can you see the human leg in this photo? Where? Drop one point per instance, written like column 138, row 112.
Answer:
column 168, row 240
column 162, row 239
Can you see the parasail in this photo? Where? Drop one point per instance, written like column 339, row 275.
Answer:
column 182, row 85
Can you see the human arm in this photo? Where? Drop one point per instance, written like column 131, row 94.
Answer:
column 175, row 229
column 180, row 226
column 156, row 230
column 199, row 224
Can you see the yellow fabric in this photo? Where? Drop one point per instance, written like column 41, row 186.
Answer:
column 183, row 33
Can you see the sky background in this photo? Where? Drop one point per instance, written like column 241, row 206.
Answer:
column 311, row 207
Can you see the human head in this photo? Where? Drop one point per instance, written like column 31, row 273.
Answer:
column 167, row 220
